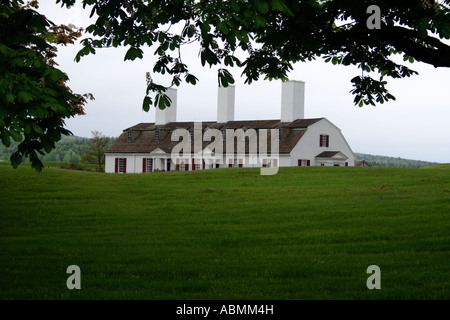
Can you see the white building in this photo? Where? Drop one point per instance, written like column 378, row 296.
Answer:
column 148, row 147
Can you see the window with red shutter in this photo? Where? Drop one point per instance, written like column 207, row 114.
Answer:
column 264, row 163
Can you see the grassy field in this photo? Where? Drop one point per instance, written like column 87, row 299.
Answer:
column 305, row 233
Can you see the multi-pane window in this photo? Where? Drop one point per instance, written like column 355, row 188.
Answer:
column 120, row 165
column 278, row 134
column 129, row 136
column 175, row 136
column 182, row 166
column 157, row 134
column 149, row 165
column 224, row 134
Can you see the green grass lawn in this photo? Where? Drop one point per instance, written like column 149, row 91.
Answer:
column 304, row 233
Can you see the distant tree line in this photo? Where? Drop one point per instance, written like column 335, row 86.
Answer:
column 391, row 162
column 68, row 149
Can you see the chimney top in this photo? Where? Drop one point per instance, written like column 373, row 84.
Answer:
column 292, row 100
column 169, row 114
column 225, row 104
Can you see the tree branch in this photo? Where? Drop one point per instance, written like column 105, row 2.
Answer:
column 406, row 40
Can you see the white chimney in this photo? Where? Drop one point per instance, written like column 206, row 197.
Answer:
column 292, row 101
column 225, row 104
column 169, row 114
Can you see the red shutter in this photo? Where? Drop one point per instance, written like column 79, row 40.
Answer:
column 308, row 162
column 124, row 165
column 230, row 163
column 346, row 164
column 299, row 162
column 240, row 163
column 144, row 165
column 193, row 164
column 321, row 141
column 264, row 163
column 186, row 166
column 203, row 164
column 116, row 165
column 328, row 140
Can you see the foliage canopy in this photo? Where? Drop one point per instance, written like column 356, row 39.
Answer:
column 266, row 37
column 35, row 99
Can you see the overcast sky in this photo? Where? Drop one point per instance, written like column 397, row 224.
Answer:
column 415, row 126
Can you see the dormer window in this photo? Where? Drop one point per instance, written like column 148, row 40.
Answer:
column 224, row 133
column 175, row 136
column 129, row 136
column 278, row 133
column 157, row 134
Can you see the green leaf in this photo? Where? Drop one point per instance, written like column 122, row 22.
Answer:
column 5, row 138
column 17, row 137
column 262, row 6
column 133, row 53
column 27, row 128
column 190, row 78
column 16, row 159
column 36, row 128
column 24, row 96
column 146, row 103
column 10, row 97
column 162, row 101
column 260, row 22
